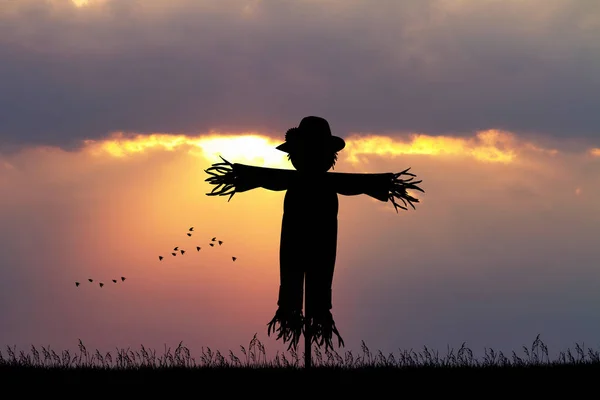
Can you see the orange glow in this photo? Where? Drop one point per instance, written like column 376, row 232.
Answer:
column 125, row 201
column 137, row 212
column 111, row 208
column 248, row 148
column 86, row 3
column 488, row 146
column 537, row 149
column 595, row 152
column 492, row 146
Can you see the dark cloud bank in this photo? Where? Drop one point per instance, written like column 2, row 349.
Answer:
column 184, row 66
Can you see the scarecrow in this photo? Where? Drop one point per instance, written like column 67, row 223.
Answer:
column 308, row 241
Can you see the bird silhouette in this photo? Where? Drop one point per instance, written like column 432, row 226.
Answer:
column 101, row 284
column 220, row 242
column 174, row 254
column 160, row 258
column 122, row 278
column 182, row 251
column 191, row 229
column 198, row 248
column 211, row 245
column 114, row 281
column 189, row 234
column 91, row 280
column 213, row 239
column 176, row 248
column 234, row 258
column 77, row 284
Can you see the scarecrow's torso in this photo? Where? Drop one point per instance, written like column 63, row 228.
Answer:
column 311, row 200
column 309, row 223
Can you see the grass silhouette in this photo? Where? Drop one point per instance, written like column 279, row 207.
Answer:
column 254, row 356
column 251, row 364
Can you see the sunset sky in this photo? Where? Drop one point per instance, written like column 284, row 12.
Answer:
column 111, row 110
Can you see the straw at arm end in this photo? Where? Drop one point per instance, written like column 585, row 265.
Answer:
column 381, row 186
column 231, row 178
column 398, row 190
column 223, row 176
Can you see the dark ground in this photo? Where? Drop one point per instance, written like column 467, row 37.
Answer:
column 562, row 380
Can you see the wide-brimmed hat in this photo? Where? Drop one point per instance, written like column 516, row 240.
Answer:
column 315, row 131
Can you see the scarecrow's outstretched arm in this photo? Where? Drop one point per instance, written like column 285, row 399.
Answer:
column 231, row 178
column 251, row 177
column 383, row 187
column 374, row 185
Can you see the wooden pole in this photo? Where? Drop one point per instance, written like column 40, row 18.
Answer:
column 307, row 332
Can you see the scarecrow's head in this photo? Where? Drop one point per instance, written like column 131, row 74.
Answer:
column 311, row 147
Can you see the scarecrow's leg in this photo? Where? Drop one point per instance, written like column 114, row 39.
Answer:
column 307, row 324
column 289, row 314
column 319, row 288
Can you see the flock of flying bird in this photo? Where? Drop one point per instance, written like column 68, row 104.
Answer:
column 198, row 248
column 174, row 253
column 101, row 283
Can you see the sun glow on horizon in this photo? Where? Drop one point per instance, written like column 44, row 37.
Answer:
column 490, row 146
column 249, row 147
column 87, row 3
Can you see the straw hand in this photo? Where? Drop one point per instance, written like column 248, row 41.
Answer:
column 399, row 187
column 223, row 177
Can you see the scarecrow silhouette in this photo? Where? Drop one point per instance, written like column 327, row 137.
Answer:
column 309, row 228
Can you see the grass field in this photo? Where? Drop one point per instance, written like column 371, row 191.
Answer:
column 251, row 370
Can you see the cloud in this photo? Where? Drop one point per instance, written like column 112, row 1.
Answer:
column 436, row 67
column 499, row 249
